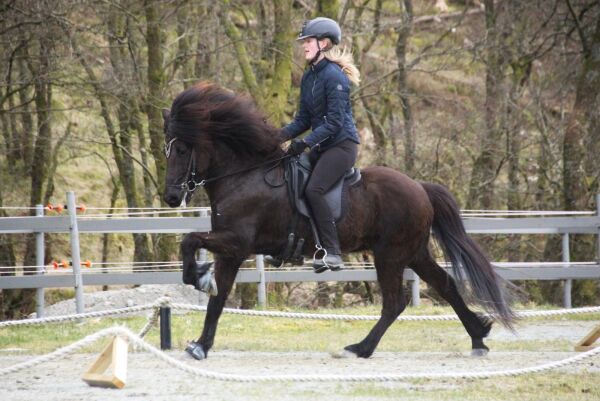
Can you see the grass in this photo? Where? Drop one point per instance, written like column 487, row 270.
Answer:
column 551, row 386
column 280, row 335
column 286, row 335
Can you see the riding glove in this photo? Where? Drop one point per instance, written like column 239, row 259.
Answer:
column 296, row 147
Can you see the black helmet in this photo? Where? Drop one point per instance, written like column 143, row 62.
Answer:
column 320, row 28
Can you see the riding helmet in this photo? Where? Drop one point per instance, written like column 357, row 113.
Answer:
column 320, row 28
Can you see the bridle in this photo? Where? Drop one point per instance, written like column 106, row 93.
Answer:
column 189, row 183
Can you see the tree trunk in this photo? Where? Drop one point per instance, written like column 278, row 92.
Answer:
column 281, row 81
column 127, row 113
column 485, row 168
column 242, row 54
column 404, row 31
column 165, row 245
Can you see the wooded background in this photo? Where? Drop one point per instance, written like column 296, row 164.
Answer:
column 498, row 100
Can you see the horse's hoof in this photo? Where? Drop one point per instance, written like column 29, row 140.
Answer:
column 344, row 354
column 208, row 284
column 479, row 352
column 195, row 350
column 358, row 351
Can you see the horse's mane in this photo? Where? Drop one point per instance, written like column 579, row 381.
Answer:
column 207, row 112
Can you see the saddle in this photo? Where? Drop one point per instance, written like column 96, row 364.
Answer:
column 298, row 171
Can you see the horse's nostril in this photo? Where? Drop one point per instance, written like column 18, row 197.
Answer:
column 172, row 200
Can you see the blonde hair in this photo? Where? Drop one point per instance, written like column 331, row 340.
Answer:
column 344, row 59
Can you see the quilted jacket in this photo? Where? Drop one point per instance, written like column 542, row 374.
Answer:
column 324, row 107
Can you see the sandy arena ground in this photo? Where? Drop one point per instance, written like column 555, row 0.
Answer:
column 152, row 379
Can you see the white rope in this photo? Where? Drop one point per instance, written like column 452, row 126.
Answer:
column 404, row 318
column 166, row 302
column 76, row 317
column 228, row 377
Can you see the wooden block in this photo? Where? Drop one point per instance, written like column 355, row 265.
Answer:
column 588, row 341
column 110, row 368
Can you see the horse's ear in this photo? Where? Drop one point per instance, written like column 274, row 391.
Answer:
column 166, row 113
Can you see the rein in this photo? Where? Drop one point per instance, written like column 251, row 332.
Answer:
column 189, row 184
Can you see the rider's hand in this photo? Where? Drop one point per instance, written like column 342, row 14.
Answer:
column 296, row 147
column 283, row 137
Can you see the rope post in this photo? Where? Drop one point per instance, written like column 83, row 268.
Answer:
column 262, row 286
column 39, row 261
column 165, row 327
column 72, row 208
column 566, row 258
column 415, row 290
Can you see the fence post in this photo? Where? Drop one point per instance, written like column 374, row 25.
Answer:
column 262, row 288
column 75, row 257
column 203, row 254
column 39, row 261
column 202, row 258
column 415, row 290
column 598, row 233
column 566, row 258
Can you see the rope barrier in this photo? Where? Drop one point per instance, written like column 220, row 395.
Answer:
column 166, row 302
column 139, row 343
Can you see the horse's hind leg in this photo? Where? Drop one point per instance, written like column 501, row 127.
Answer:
column 390, row 269
column 478, row 327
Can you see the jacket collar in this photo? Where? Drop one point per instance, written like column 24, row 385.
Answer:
column 319, row 66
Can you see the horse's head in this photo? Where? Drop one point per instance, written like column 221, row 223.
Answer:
column 209, row 127
column 181, row 176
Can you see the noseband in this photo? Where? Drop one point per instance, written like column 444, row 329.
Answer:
column 189, row 183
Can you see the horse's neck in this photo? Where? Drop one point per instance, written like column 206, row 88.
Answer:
column 239, row 185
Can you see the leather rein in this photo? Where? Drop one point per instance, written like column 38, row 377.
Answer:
column 190, row 184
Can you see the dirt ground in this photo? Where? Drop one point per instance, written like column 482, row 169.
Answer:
column 152, row 379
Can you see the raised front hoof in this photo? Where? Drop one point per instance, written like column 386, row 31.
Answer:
column 357, row 350
column 207, row 283
column 196, row 351
column 479, row 352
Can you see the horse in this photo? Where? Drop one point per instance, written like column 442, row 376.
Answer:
column 221, row 139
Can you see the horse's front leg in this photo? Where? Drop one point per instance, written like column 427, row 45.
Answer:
column 226, row 269
column 199, row 275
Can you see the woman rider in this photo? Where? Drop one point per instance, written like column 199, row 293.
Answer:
column 325, row 107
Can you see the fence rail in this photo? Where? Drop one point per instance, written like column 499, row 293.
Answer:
column 76, row 225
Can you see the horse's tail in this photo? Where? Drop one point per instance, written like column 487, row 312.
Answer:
column 467, row 259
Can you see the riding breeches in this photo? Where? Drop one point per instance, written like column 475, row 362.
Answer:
column 329, row 167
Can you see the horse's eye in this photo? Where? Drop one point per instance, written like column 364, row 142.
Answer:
column 181, row 150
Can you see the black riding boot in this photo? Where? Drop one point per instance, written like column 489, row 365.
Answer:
column 331, row 243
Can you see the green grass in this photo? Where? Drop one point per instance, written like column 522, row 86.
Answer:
column 551, row 386
column 279, row 334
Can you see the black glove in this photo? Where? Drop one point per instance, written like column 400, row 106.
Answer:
column 283, row 137
column 296, row 147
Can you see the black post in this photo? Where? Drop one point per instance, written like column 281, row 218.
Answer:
column 165, row 328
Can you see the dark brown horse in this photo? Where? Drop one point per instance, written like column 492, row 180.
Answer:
column 212, row 133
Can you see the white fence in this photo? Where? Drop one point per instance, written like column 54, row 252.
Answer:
column 583, row 223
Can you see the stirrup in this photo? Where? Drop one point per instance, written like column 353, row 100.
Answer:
column 317, row 267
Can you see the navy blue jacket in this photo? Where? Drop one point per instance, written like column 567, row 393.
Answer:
column 324, row 107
